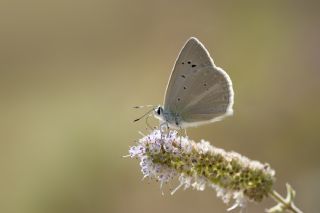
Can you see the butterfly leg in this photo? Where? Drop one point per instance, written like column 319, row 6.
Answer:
column 162, row 125
column 168, row 130
column 148, row 126
column 180, row 137
column 181, row 134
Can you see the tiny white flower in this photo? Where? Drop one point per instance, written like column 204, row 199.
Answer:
column 164, row 156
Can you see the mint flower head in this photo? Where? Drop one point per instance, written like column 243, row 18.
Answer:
column 164, row 156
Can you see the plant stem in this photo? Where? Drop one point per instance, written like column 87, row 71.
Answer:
column 287, row 205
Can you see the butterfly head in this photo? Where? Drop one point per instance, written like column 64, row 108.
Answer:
column 158, row 112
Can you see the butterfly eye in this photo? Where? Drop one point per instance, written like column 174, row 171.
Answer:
column 158, row 110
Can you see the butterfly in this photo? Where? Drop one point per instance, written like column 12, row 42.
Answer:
column 198, row 91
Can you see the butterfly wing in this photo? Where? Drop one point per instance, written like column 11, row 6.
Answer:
column 198, row 90
column 210, row 98
column 193, row 56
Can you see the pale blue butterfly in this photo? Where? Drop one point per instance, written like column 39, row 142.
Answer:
column 198, row 91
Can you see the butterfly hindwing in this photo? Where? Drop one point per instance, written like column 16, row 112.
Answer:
column 210, row 98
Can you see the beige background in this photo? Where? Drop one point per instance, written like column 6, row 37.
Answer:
column 70, row 71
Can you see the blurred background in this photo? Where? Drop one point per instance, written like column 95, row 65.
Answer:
column 70, row 72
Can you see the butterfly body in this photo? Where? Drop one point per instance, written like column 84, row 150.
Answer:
column 198, row 92
column 172, row 119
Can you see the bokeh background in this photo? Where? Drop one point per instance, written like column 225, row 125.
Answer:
column 70, row 72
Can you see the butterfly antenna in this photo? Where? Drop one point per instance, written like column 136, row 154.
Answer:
column 139, row 107
column 147, row 113
column 147, row 123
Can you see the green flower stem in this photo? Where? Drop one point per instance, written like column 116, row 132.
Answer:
column 285, row 204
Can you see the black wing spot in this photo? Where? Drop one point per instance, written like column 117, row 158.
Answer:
column 205, row 84
column 189, row 62
column 183, row 76
column 179, row 99
column 184, row 87
column 182, row 63
column 193, row 65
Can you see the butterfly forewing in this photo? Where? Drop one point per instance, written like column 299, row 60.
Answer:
column 192, row 57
